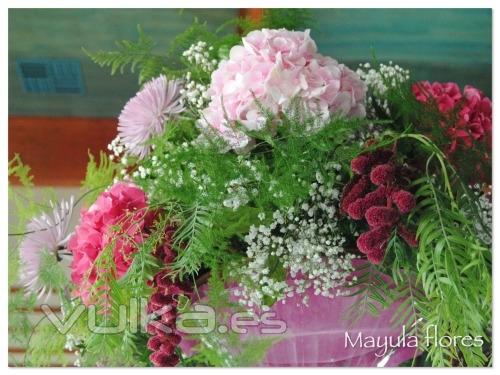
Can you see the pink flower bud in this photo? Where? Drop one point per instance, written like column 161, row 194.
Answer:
column 382, row 174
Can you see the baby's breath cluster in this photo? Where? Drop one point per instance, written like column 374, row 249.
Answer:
column 379, row 81
column 170, row 167
column 305, row 242
column 199, row 54
column 240, row 190
column 195, row 93
column 117, row 151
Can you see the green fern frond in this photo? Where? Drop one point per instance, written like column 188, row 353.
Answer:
column 98, row 176
column 193, row 240
column 373, row 293
column 134, row 55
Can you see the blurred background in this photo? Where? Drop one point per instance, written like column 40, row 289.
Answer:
column 61, row 105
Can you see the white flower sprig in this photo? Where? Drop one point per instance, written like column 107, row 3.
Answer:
column 379, row 81
column 305, row 241
column 195, row 93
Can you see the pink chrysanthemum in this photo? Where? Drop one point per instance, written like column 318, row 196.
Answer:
column 145, row 114
column 47, row 235
column 269, row 71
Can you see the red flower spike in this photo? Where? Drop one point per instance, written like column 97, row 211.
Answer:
column 382, row 174
column 407, row 235
column 378, row 216
column 377, row 197
column 374, row 240
column 361, row 164
column 355, row 209
column 163, row 303
column 376, row 257
column 353, row 191
column 154, row 343
column 404, row 200
column 161, row 359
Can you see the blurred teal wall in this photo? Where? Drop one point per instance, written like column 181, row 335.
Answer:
column 437, row 44
column 61, row 33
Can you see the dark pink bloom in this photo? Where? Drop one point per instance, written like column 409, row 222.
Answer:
column 361, row 164
column 377, row 256
column 404, row 200
column 374, row 240
column 354, row 190
column 164, row 359
column 355, row 209
column 445, row 95
column 407, row 235
column 163, row 304
column 119, row 219
column 378, row 216
column 382, row 174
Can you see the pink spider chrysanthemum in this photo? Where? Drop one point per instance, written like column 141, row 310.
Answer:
column 145, row 114
column 46, row 235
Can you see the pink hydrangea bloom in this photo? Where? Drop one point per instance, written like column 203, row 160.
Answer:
column 145, row 114
column 118, row 220
column 270, row 70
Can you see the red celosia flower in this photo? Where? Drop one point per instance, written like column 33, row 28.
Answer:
column 355, row 209
column 377, row 197
column 404, row 200
column 163, row 304
column 377, row 206
column 361, row 164
column 378, row 216
column 382, row 174
column 377, row 256
column 353, row 191
column 373, row 240
column 407, row 235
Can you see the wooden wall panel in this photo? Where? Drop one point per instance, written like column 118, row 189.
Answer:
column 56, row 148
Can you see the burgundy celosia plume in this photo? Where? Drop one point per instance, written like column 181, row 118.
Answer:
column 382, row 174
column 378, row 216
column 381, row 207
column 163, row 304
column 404, row 200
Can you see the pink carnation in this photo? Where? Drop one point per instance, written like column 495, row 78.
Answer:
column 268, row 71
column 119, row 218
column 446, row 95
column 476, row 113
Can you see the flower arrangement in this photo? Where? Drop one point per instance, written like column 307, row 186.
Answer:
column 253, row 175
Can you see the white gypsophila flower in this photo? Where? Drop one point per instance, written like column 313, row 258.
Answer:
column 306, row 242
column 195, row 94
column 199, row 54
column 379, row 81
